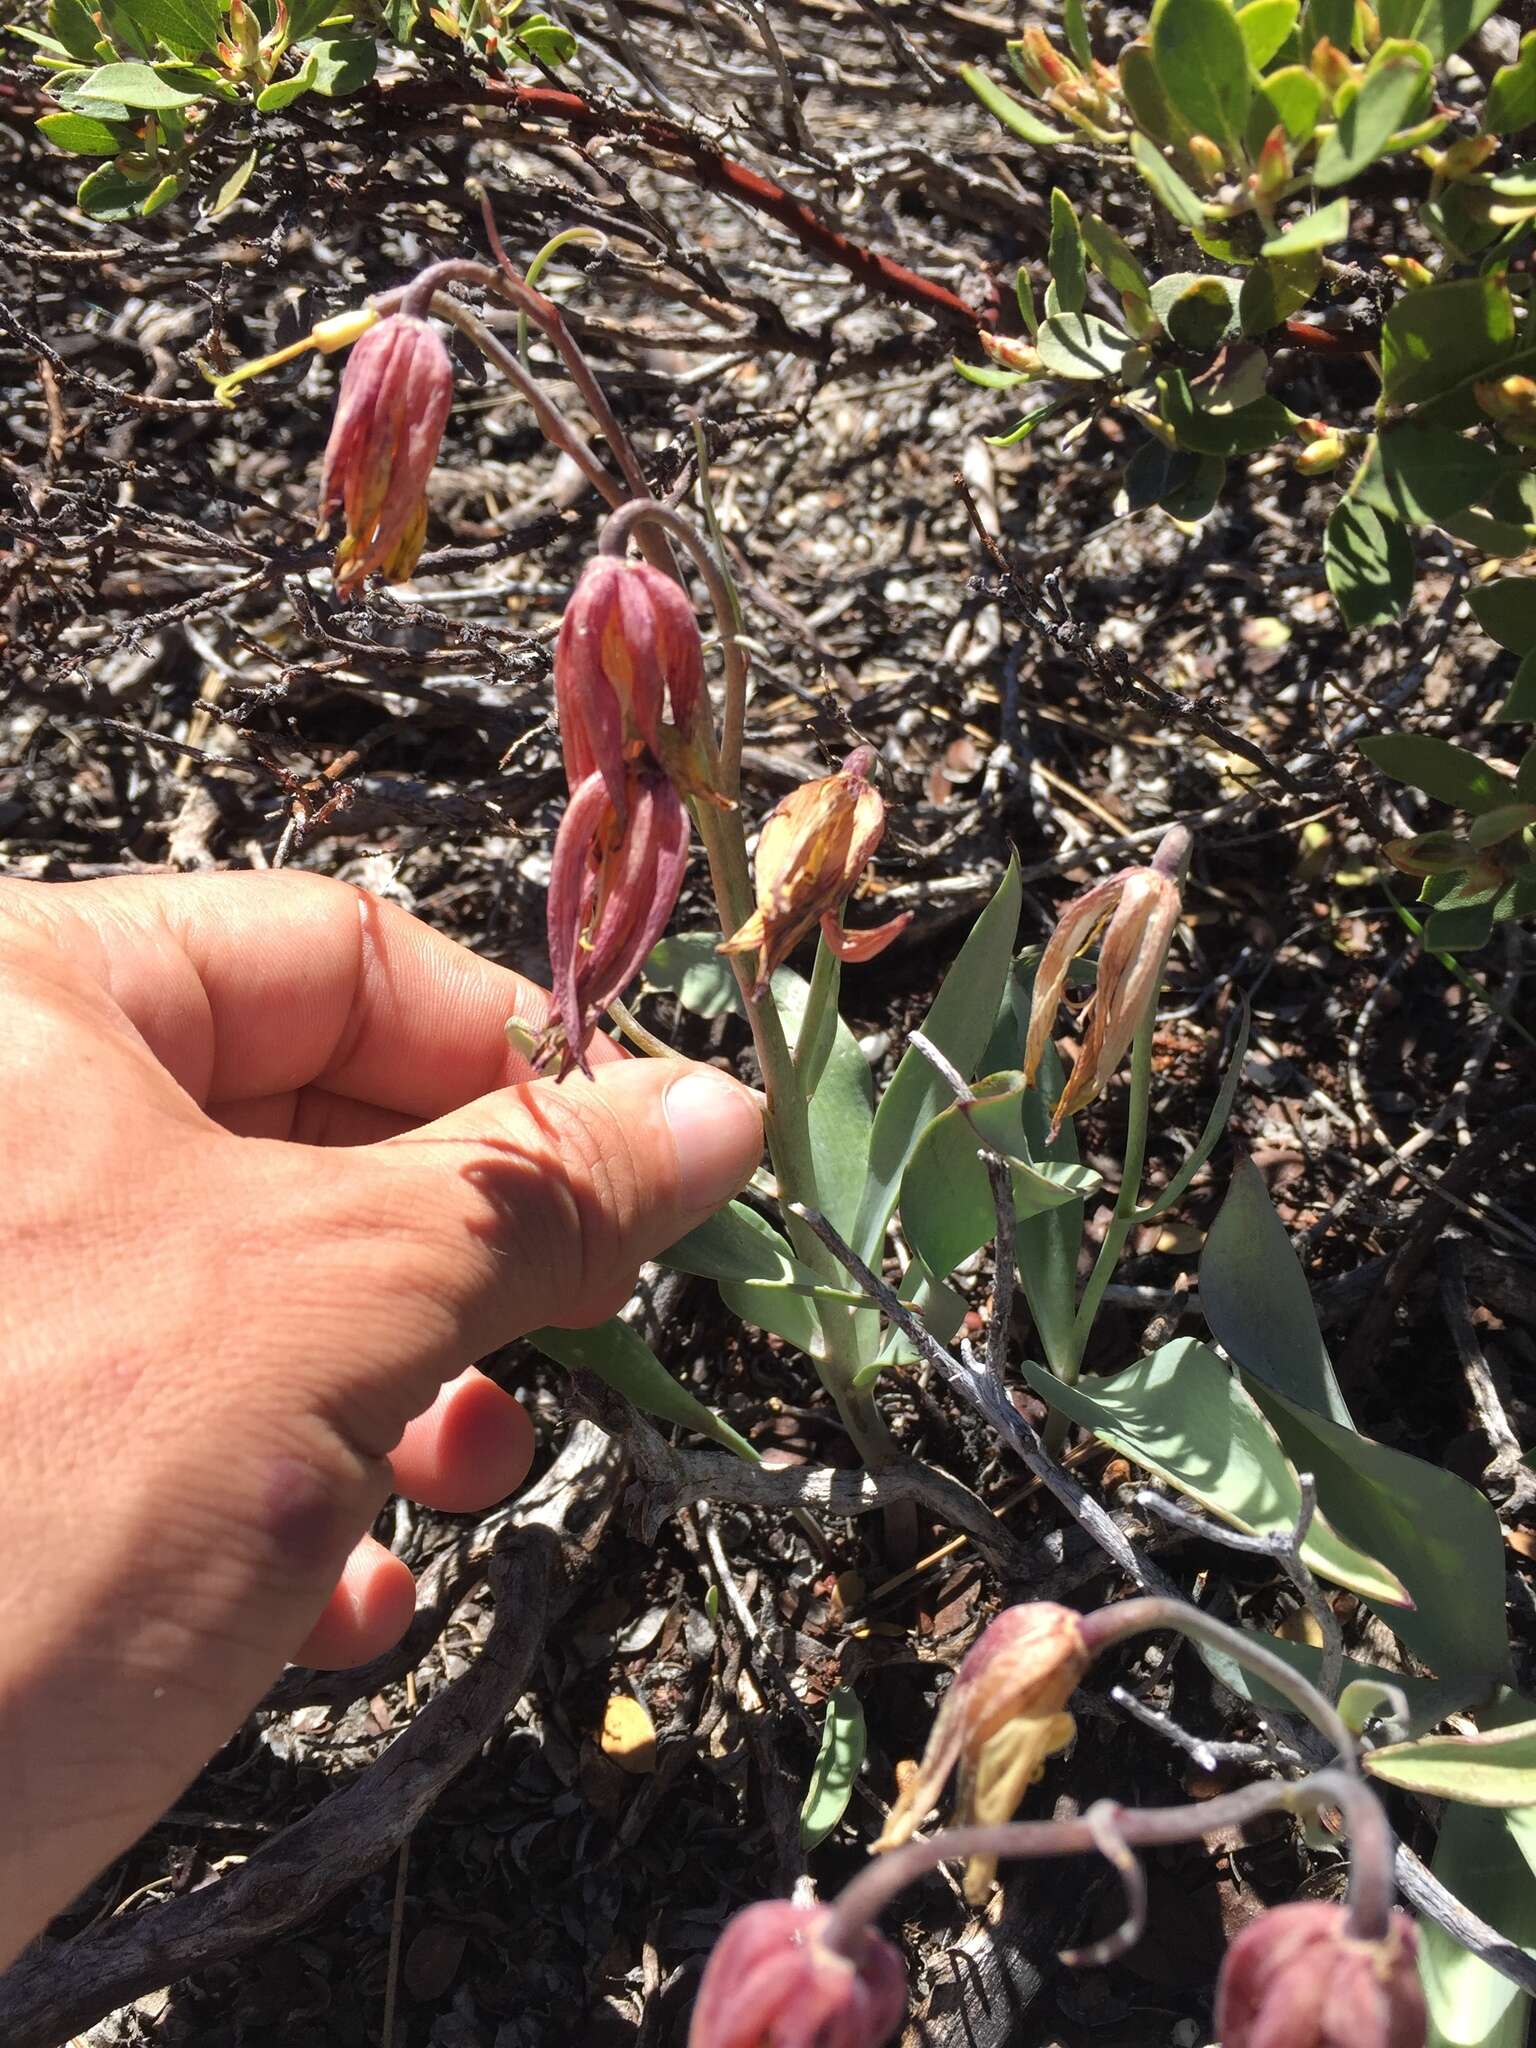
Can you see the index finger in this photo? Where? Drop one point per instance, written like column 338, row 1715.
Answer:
column 246, row 985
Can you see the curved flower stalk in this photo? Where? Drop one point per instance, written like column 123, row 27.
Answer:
column 811, row 852
column 1312, row 1975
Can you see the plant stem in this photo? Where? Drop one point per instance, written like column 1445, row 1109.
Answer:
column 861, row 1902
column 1136, row 1617
column 786, row 1122
column 1123, row 1217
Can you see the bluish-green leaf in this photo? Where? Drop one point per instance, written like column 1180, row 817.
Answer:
column 1199, row 312
column 1246, row 431
column 1479, row 1859
column 344, row 65
column 1442, row 26
column 1495, row 1767
column 1082, row 346
column 188, row 28
column 838, row 1761
column 1183, row 1415
column 1074, row 21
column 1113, row 256
column 1215, row 1123
column 1255, row 1297
column 1202, row 61
column 622, row 1358
column 1450, row 774
column 960, row 1024
column 1369, row 563
column 106, row 194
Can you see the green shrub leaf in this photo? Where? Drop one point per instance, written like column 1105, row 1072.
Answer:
column 1496, row 1767
column 1012, row 112
column 1392, row 97
column 1065, row 257
column 1426, row 474
column 1506, row 611
column 1368, row 560
column 1166, row 183
column 1202, row 61
column 1511, row 103
column 1317, row 230
column 81, row 135
column 1437, row 338
column 135, row 85
column 1265, row 25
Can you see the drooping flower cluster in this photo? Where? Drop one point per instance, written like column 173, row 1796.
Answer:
column 811, row 851
column 771, row 1982
column 1001, row 1718
column 395, row 394
column 628, row 653
column 1140, row 908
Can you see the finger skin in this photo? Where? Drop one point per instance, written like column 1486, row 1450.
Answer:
column 367, row 1614
column 256, row 986
column 219, row 1352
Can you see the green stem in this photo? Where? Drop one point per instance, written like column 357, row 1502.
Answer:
column 1123, row 1218
column 535, row 271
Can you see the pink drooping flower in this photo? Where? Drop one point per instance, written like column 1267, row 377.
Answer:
column 395, row 394
column 1140, row 908
column 1297, row 1978
column 1003, row 1715
column 628, row 649
column 614, row 880
column 811, row 852
column 772, row 1982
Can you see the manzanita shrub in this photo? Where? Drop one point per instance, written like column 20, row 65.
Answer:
column 859, row 1248
column 174, row 96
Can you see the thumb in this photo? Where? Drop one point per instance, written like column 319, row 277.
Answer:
column 538, row 1204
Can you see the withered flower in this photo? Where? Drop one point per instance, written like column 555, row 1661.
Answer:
column 811, row 851
column 614, row 880
column 395, row 394
column 771, row 1982
column 999, row 1721
column 1140, row 906
column 628, row 647
column 1297, row 1978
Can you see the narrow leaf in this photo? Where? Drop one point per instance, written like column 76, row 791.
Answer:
column 622, row 1358
column 838, row 1761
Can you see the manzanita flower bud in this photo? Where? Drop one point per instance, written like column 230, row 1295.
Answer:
column 1140, row 907
column 1330, row 67
column 614, row 879
column 395, row 394
column 1207, row 158
column 1275, row 165
column 1410, row 273
column 1323, row 455
column 1010, row 352
column 629, row 645
column 1510, row 400
column 1001, row 1718
column 811, row 851
column 1297, row 1978
column 772, row 1982
column 1041, row 66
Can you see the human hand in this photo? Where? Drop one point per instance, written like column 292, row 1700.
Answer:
column 273, row 1180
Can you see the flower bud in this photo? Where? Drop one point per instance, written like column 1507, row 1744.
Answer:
column 1323, row 455
column 1276, row 164
column 395, row 394
column 771, row 1982
column 1410, row 273
column 629, row 643
column 1011, row 353
column 1466, row 155
column 1510, row 399
column 615, row 877
column 811, row 851
column 1330, row 67
column 1207, row 158
column 1041, row 66
column 1297, row 1978
column 1140, row 907
column 1001, row 1718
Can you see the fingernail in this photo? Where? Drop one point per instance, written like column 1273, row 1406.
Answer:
column 719, row 1136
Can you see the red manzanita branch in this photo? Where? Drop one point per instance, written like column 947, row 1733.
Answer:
column 715, row 171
